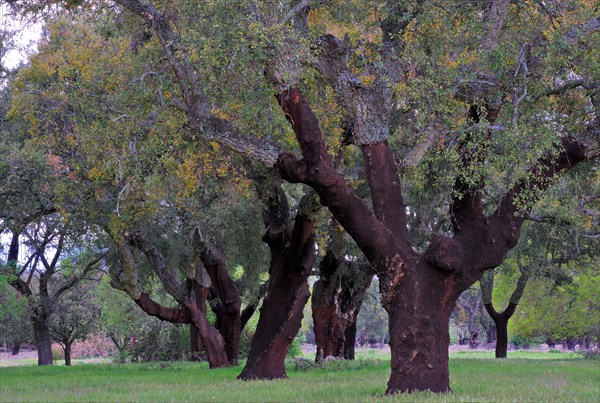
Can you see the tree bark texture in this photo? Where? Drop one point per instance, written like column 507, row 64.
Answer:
column 190, row 295
column 228, row 316
column 336, row 300
column 350, row 340
column 292, row 257
column 43, row 342
column 419, row 291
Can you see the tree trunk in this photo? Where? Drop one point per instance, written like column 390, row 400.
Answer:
column 209, row 336
column 43, row 341
column 196, row 343
column 292, row 257
column 419, row 341
column 501, row 336
column 337, row 297
column 280, row 319
column 419, row 291
column 501, row 322
column 228, row 317
column 328, row 324
column 15, row 349
column 67, row 350
column 195, row 337
column 350, row 341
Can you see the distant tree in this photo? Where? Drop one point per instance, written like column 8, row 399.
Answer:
column 337, row 297
column 470, row 310
column 15, row 324
column 558, row 244
column 371, row 325
column 75, row 316
column 46, row 242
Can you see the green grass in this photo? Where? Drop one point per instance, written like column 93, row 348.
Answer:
column 474, row 378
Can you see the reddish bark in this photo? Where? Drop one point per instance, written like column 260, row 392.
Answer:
column 336, row 300
column 292, row 257
column 228, row 316
column 419, row 292
column 328, row 325
column 350, row 340
column 191, row 303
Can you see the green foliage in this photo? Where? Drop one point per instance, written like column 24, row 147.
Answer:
column 15, row 321
column 372, row 321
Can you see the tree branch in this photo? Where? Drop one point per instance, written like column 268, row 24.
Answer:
column 317, row 170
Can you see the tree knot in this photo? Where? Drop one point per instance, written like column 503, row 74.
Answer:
column 445, row 253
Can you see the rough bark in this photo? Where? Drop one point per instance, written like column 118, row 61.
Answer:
column 350, row 340
column 15, row 349
column 419, row 292
column 228, row 316
column 43, row 342
column 191, row 294
column 328, row 327
column 292, row 257
column 336, row 300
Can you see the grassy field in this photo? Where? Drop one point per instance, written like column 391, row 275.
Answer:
column 475, row 377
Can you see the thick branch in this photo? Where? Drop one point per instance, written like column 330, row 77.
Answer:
column 178, row 314
column 167, row 276
column 573, row 152
column 197, row 105
column 316, row 169
column 386, row 192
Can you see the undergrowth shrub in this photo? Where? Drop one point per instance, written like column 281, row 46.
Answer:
column 589, row 354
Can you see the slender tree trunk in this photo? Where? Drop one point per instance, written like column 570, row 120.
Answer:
column 229, row 316
column 502, row 336
column 195, row 337
column 196, row 343
column 15, row 349
column 350, row 341
column 501, row 322
column 43, row 341
column 67, row 350
column 211, row 338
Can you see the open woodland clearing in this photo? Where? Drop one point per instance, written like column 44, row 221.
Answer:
column 221, row 181
column 476, row 377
